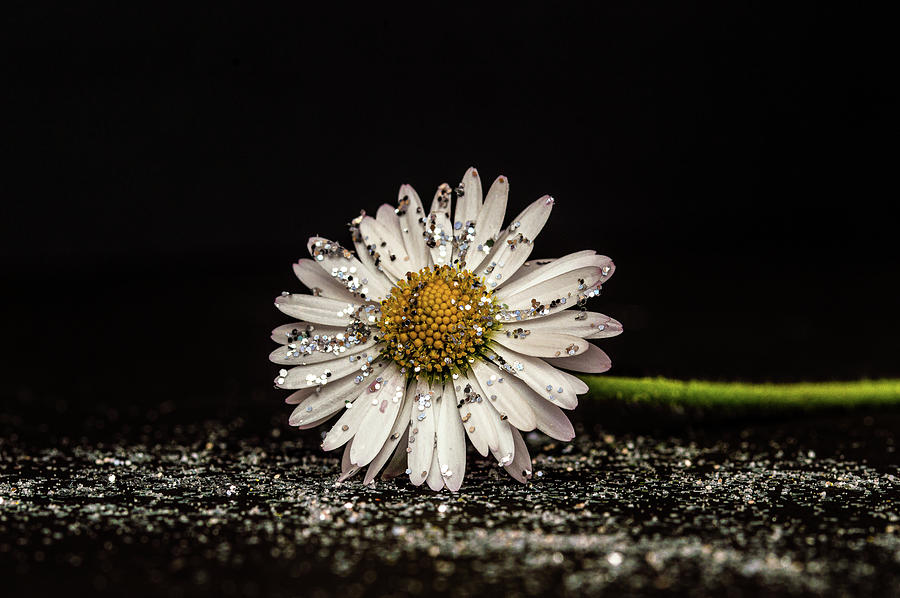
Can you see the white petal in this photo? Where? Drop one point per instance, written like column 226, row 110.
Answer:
column 451, row 442
column 604, row 326
column 293, row 353
column 554, row 295
column 434, row 479
column 381, row 415
column 527, row 268
column 282, row 334
column 346, row 426
column 520, row 468
column 564, row 265
column 539, row 343
column 468, row 205
column 321, row 283
column 506, row 396
column 388, row 218
column 348, row 271
column 484, row 420
column 488, row 222
column 321, row 402
column 578, row 385
column 540, row 376
column 551, row 420
column 515, row 245
column 322, row 310
column 412, row 224
column 422, row 417
column 506, row 446
column 476, row 416
column 315, row 423
column 439, row 228
column 298, row 396
column 465, row 225
column 397, row 438
column 348, row 469
column 594, row 361
column 363, row 255
column 584, row 324
column 397, row 465
column 385, row 247
column 305, row 376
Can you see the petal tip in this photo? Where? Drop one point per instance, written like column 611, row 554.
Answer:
column 312, row 241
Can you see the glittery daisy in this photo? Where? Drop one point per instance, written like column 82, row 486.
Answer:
column 434, row 326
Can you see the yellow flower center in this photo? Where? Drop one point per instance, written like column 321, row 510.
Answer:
column 437, row 320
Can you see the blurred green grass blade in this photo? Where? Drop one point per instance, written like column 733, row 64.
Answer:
column 725, row 395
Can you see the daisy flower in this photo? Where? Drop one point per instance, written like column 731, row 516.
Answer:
column 437, row 327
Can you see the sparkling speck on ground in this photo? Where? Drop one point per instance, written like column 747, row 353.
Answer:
column 803, row 506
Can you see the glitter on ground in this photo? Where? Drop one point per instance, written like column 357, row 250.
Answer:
column 799, row 507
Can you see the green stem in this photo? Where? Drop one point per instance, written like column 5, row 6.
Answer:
column 697, row 393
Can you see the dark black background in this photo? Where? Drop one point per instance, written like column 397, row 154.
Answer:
column 163, row 170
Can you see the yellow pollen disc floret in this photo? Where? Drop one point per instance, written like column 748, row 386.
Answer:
column 437, row 319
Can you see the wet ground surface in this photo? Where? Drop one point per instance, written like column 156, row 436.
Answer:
column 803, row 506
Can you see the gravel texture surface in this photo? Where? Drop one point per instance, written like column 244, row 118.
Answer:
column 806, row 506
